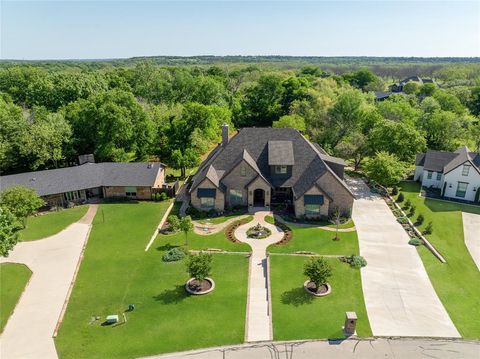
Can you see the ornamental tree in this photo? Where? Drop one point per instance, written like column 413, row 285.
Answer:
column 199, row 266
column 317, row 270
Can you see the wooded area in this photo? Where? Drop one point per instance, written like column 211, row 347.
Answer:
column 172, row 109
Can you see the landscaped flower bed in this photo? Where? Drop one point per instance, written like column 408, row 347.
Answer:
column 287, row 233
column 230, row 231
column 258, row 232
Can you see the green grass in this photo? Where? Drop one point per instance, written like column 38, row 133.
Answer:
column 220, row 219
column 117, row 271
column 299, row 315
column 198, row 242
column 49, row 224
column 318, row 241
column 13, row 279
column 270, row 219
column 457, row 281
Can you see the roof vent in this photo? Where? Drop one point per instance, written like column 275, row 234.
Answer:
column 150, row 165
column 33, row 179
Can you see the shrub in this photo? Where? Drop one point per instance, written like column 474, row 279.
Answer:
column 199, row 266
column 420, row 219
column 415, row 242
column 402, row 220
column 400, row 198
column 394, row 190
column 317, row 270
column 412, row 211
column 428, row 229
column 173, row 255
column 174, row 222
column 407, row 204
column 355, row 261
column 162, row 196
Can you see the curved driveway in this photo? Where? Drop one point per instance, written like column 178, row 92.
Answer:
column 53, row 260
column 399, row 296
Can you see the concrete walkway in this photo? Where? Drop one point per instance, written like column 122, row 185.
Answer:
column 259, row 319
column 471, row 232
column 205, row 229
column 53, row 261
column 399, row 296
column 347, row 349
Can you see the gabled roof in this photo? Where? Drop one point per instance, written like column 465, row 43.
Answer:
column 280, row 153
column 253, row 145
column 444, row 162
column 88, row 175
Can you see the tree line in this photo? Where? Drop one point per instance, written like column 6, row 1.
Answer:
column 174, row 113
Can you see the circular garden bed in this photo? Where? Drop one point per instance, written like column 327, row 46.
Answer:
column 258, row 232
column 311, row 288
column 196, row 287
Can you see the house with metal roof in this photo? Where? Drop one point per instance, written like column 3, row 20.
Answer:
column 456, row 174
column 91, row 180
column 264, row 167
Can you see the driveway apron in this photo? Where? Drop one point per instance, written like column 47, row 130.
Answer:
column 471, row 231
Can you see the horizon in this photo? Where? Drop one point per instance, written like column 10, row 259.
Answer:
column 116, row 30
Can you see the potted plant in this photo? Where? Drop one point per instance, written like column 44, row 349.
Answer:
column 318, row 271
column 199, row 267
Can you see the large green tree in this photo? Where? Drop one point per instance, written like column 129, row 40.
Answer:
column 385, row 168
column 21, row 202
column 8, row 231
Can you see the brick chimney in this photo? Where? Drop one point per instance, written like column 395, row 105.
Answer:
column 224, row 135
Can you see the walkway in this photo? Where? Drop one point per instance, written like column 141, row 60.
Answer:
column 399, row 296
column 346, row 349
column 53, row 261
column 205, row 229
column 471, row 231
column 259, row 320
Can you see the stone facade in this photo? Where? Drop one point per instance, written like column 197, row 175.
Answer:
column 259, row 183
column 343, row 199
column 119, row 191
column 299, row 204
column 237, row 179
column 219, row 198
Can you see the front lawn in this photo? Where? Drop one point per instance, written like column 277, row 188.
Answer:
column 457, row 282
column 47, row 225
column 299, row 315
column 318, row 241
column 221, row 219
column 13, row 279
column 116, row 271
column 199, row 242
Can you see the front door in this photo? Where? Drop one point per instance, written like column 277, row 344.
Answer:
column 259, row 198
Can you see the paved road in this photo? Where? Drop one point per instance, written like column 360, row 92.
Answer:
column 347, row 349
column 471, row 231
column 259, row 320
column 399, row 296
column 28, row 333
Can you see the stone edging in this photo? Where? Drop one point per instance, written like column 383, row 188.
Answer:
column 200, row 293
column 329, row 289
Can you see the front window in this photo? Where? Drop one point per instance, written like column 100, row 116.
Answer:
column 429, row 174
column 236, row 197
column 439, row 176
column 131, row 191
column 207, row 202
column 466, row 170
column 312, row 209
column 281, row 169
column 461, row 189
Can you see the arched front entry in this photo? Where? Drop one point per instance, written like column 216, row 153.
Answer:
column 259, row 198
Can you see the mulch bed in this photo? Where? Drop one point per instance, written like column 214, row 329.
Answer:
column 197, row 286
column 312, row 288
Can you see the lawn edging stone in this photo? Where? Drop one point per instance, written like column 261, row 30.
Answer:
column 201, row 292
column 328, row 291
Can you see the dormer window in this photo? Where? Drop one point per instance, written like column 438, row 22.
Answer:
column 280, row 169
column 466, row 170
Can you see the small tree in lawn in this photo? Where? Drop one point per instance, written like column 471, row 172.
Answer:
column 186, row 226
column 21, row 202
column 336, row 219
column 412, row 211
column 199, row 266
column 174, row 223
column 428, row 229
column 8, row 231
column 318, row 271
column 400, row 198
column 420, row 219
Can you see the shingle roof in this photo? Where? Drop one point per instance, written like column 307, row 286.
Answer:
column 280, row 153
column 436, row 160
column 443, row 162
column 252, row 144
column 463, row 155
column 420, row 159
column 88, row 175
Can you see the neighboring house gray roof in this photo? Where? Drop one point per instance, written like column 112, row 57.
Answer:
column 382, row 95
column 443, row 162
column 253, row 144
column 280, row 153
column 88, row 175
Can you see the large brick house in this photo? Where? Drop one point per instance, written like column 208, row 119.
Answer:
column 261, row 167
column 455, row 174
column 60, row 186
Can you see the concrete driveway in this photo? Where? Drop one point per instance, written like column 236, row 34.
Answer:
column 471, row 232
column 399, row 296
column 53, row 260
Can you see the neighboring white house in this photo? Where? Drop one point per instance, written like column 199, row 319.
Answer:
column 456, row 174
